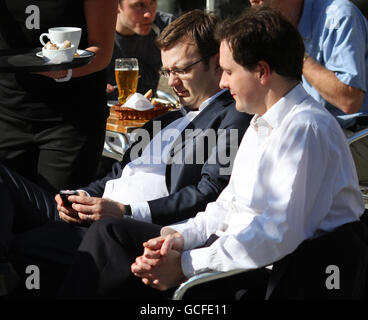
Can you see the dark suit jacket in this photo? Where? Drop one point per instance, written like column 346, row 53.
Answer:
column 191, row 185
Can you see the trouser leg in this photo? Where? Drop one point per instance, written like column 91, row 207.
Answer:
column 17, row 149
column 69, row 156
column 102, row 264
column 53, row 154
column 48, row 250
column 23, row 205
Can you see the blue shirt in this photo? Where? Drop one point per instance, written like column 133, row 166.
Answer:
column 335, row 34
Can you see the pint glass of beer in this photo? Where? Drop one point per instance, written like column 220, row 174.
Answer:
column 126, row 75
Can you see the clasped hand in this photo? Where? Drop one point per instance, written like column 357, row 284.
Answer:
column 160, row 264
column 88, row 209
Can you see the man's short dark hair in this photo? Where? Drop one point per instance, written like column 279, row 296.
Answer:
column 195, row 25
column 264, row 34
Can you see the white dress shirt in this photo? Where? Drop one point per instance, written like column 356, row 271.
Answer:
column 143, row 179
column 293, row 178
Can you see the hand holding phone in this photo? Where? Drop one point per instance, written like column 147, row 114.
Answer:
column 64, row 194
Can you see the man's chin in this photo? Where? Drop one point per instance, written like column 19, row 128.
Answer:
column 181, row 100
column 143, row 31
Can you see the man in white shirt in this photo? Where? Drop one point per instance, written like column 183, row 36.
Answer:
column 293, row 179
column 293, row 176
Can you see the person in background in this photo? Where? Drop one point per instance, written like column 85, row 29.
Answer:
column 137, row 26
column 52, row 124
column 335, row 69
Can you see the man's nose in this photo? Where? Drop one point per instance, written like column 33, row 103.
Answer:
column 223, row 82
column 173, row 80
column 149, row 12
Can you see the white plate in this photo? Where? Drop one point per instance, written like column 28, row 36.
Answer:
column 82, row 54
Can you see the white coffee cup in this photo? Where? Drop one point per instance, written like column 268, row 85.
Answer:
column 58, row 35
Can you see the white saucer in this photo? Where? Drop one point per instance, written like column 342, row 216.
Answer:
column 81, row 54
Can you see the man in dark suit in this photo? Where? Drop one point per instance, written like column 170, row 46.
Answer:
column 196, row 148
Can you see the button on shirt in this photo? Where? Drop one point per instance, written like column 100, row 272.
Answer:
column 335, row 34
column 143, row 179
column 293, row 178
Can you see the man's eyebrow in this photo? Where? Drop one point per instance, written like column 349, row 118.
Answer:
column 175, row 67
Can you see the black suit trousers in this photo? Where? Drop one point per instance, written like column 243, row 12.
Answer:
column 31, row 232
column 101, row 268
column 24, row 205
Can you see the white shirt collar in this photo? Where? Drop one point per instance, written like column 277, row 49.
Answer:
column 274, row 115
column 205, row 103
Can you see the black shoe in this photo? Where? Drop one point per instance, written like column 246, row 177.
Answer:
column 9, row 279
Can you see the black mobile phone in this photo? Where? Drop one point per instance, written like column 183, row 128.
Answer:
column 64, row 194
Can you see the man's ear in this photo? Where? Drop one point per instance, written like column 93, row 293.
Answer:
column 264, row 71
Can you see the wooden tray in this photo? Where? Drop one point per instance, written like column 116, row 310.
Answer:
column 123, row 126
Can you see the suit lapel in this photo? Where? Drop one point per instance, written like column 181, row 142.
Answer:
column 216, row 106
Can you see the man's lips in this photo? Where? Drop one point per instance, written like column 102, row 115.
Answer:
column 181, row 93
column 147, row 24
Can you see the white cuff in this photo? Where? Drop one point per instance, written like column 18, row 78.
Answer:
column 141, row 211
column 68, row 76
column 196, row 261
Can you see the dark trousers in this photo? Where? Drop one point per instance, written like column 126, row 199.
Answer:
column 24, row 205
column 31, row 232
column 101, row 267
column 53, row 154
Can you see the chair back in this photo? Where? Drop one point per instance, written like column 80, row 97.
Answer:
column 333, row 266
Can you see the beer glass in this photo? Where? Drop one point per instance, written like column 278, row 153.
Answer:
column 126, row 75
